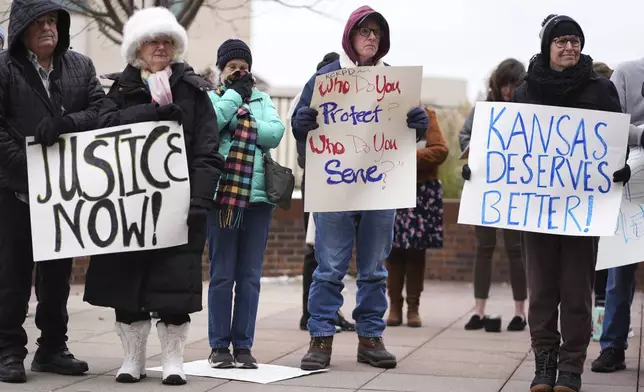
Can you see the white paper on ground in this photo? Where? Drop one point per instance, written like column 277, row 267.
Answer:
column 265, row 374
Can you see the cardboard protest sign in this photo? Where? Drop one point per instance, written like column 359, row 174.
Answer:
column 111, row 190
column 627, row 245
column 544, row 169
column 363, row 155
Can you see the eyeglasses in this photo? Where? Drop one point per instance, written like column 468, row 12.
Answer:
column 563, row 42
column 366, row 32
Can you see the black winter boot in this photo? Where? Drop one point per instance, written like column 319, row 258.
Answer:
column 545, row 373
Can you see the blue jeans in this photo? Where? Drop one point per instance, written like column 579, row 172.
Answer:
column 236, row 257
column 617, row 314
column 334, row 238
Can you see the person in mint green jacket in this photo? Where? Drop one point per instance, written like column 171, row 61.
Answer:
column 238, row 226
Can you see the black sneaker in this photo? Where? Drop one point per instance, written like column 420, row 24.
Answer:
column 343, row 323
column 304, row 320
column 244, row 359
column 568, row 382
column 221, row 358
column 517, row 323
column 610, row 360
column 12, row 370
column 476, row 322
column 59, row 362
column 545, row 373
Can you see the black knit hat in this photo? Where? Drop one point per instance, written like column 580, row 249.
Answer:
column 233, row 49
column 328, row 59
column 554, row 26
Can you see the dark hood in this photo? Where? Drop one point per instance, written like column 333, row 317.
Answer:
column 25, row 12
column 356, row 18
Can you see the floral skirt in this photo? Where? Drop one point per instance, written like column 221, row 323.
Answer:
column 421, row 227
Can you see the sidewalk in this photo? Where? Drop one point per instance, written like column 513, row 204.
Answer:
column 440, row 356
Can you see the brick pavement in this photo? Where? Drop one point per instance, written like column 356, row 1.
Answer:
column 440, row 356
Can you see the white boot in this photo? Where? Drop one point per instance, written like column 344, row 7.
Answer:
column 134, row 338
column 173, row 340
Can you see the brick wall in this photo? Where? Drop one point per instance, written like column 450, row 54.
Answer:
column 286, row 249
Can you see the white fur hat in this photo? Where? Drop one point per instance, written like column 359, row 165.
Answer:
column 148, row 23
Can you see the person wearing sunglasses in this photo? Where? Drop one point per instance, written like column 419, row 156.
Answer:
column 365, row 42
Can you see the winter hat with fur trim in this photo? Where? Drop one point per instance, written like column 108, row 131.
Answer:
column 149, row 23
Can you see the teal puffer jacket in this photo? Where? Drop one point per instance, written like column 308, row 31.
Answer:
column 270, row 130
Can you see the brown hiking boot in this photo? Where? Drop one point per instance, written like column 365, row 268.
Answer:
column 372, row 351
column 319, row 355
column 395, row 283
column 413, row 318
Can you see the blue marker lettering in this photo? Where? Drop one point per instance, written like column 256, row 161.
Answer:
column 489, row 167
column 580, row 138
column 512, row 207
column 609, row 183
column 492, row 128
column 587, row 177
column 498, row 213
column 601, row 140
column 555, row 169
column 331, row 172
column 540, row 170
column 567, row 117
column 574, row 176
column 551, row 212
column 528, row 168
column 330, row 111
column 569, row 210
column 540, row 208
column 510, row 169
column 527, row 206
column 519, row 120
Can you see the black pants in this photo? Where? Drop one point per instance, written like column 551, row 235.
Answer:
column 125, row 317
column 16, row 266
column 601, row 278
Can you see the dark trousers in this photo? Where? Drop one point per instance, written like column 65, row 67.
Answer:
column 16, row 266
column 561, row 274
column 125, row 317
column 601, row 278
column 485, row 245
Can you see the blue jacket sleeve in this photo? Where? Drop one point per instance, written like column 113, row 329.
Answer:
column 305, row 101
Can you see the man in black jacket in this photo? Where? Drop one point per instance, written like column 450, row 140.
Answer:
column 45, row 90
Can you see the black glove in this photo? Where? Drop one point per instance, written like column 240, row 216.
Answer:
column 170, row 112
column 418, row 119
column 623, row 174
column 244, row 86
column 306, row 120
column 466, row 173
column 199, row 209
column 50, row 128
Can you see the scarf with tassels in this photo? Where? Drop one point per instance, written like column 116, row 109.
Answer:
column 233, row 194
column 159, row 85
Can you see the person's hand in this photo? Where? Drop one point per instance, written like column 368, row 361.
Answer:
column 170, row 112
column 243, row 86
column 50, row 128
column 198, row 212
column 417, row 119
column 623, row 174
column 466, row 173
column 306, row 119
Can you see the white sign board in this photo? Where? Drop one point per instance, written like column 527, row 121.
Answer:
column 627, row 245
column 544, row 169
column 363, row 155
column 111, row 190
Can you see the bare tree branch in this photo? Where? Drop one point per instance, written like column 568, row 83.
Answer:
column 110, row 16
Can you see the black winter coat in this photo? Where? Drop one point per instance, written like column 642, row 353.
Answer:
column 167, row 280
column 75, row 91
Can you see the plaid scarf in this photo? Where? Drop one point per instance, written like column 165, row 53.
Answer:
column 233, row 194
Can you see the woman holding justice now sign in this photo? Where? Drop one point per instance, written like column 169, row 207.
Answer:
column 561, row 268
column 157, row 85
